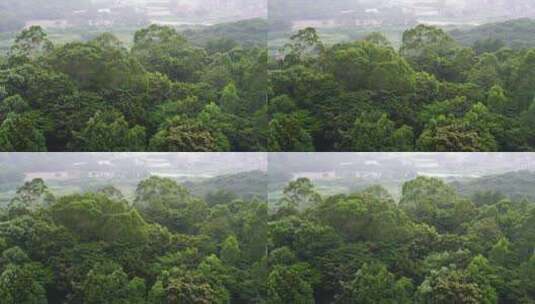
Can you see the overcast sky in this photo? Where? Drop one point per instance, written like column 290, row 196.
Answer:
column 190, row 162
column 462, row 163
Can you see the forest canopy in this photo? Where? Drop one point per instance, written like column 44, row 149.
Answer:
column 166, row 245
column 162, row 94
column 431, row 246
column 167, row 93
column 433, row 94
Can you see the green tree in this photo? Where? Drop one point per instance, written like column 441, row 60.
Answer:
column 32, row 195
column 178, row 286
column 471, row 133
column 20, row 284
column 287, row 132
column 488, row 45
column 220, row 197
column 485, row 72
column 20, row 133
column 430, row 49
column 230, row 251
column 528, row 277
column 378, row 39
column 13, row 104
column 300, row 194
column 31, row 43
column 163, row 201
column 362, row 217
column 107, row 283
column 483, row 274
column 375, row 132
column 525, row 78
column 375, row 284
column 363, row 65
column 230, row 100
column 431, row 201
column 304, row 43
column 501, row 254
column 449, row 286
column 98, row 67
column 94, row 217
column 221, row 125
column 162, row 49
column 497, row 100
column 109, row 131
column 185, row 134
column 289, row 285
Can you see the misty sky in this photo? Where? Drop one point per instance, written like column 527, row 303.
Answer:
column 213, row 163
column 478, row 163
column 441, row 9
column 469, row 164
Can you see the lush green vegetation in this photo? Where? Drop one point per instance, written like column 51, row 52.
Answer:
column 166, row 246
column 163, row 94
column 168, row 93
column 433, row 246
column 516, row 34
column 431, row 95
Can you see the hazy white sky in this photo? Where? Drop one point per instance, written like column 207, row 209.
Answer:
column 482, row 163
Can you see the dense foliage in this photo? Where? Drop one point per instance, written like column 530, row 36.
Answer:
column 165, row 247
column 432, row 247
column 168, row 246
column 431, row 95
column 163, row 94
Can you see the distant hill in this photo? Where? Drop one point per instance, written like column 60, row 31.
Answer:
column 515, row 185
column 518, row 33
column 244, row 185
column 252, row 32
